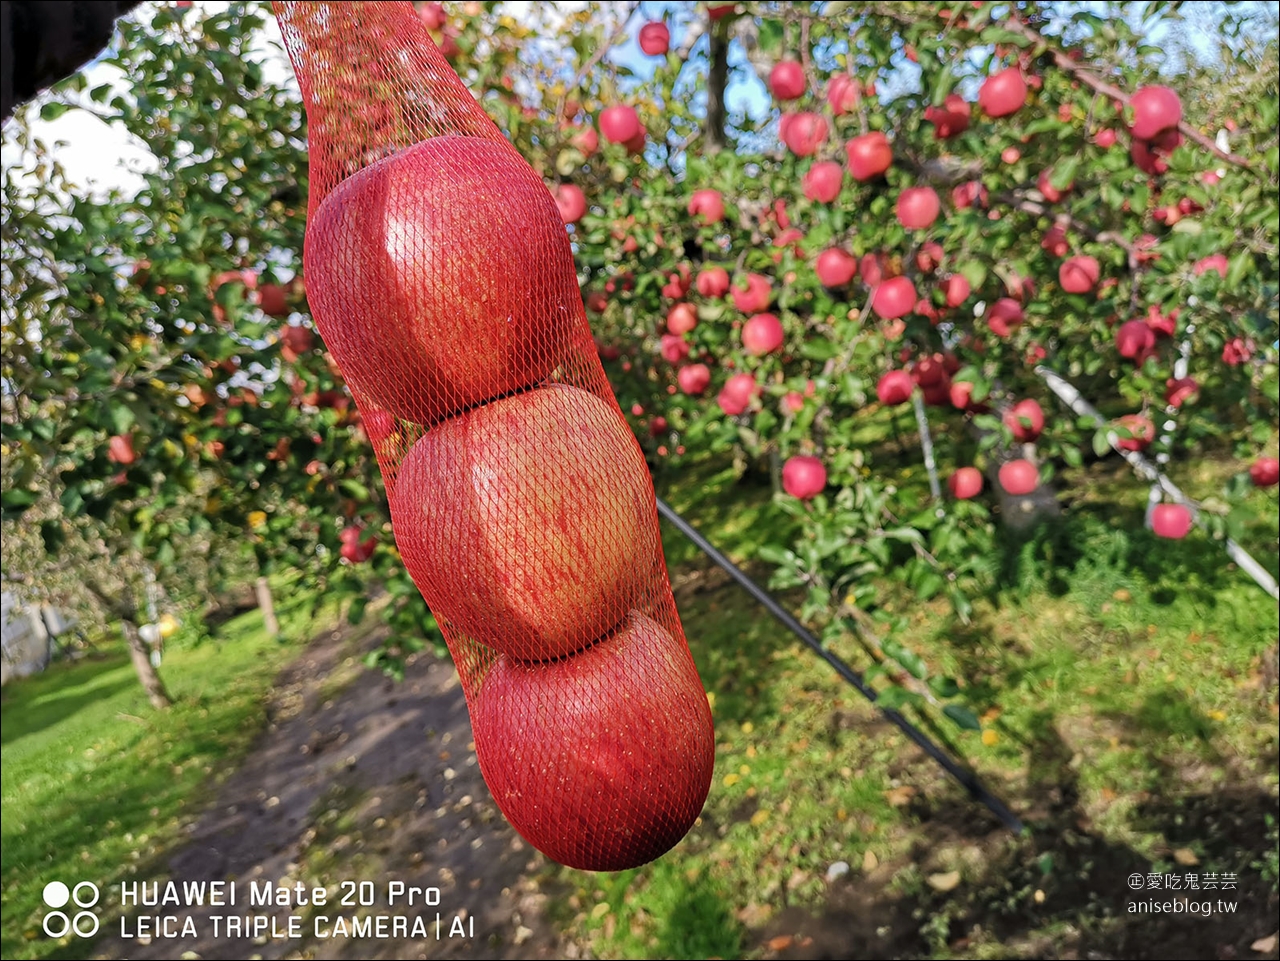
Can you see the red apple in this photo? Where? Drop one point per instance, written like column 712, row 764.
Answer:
column 1236, row 351
column 792, row 402
column 707, row 204
column 655, row 38
column 433, row 16
column 1055, row 241
column 1140, row 429
column 869, row 155
column 1019, row 477
column 353, row 549
column 1025, row 420
column 894, row 298
column 1170, row 520
column 601, row 761
column 120, row 450
column 737, row 393
column 620, row 124
column 871, row 268
column 527, row 523
column 804, row 477
column 1215, row 262
column 835, row 267
column 1265, row 472
column 803, row 133
column 658, row 426
column 419, row 270
column 1044, row 183
column 1003, row 93
column 585, row 140
column 682, row 318
column 597, row 301
column 1079, row 274
column 294, row 342
column 571, row 202
column 1155, row 110
column 842, row 94
column 929, row 371
column 1135, row 340
column 965, row 483
column 673, row 348
column 694, row 379
column 960, row 392
column 762, row 334
column 786, row 80
column 929, row 256
column 1146, row 159
column 822, row 181
column 1105, row 138
column 755, row 297
column 273, row 300
column 895, row 388
column 956, row 288
column 1178, row 391
column 713, row 282
column 1004, row 316
column 951, row 119
column 968, row 194
column 918, row 207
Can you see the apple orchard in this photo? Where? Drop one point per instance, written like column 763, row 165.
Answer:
column 864, row 268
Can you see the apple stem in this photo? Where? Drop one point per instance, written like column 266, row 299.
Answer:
column 1067, row 393
column 926, row 445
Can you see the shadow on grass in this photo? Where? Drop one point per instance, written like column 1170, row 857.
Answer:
column 1062, row 889
column 36, row 703
column 699, row 926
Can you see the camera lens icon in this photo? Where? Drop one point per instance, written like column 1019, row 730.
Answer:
column 84, row 923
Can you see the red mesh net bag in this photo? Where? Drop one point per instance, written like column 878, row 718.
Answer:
column 441, row 277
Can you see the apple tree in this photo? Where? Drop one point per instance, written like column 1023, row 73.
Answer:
column 805, row 228
column 167, row 403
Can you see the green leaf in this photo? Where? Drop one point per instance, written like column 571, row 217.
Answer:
column 53, row 110
column 15, row 501
column 1101, row 445
column 909, row 659
column 963, row 717
column 776, row 555
column 121, row 418
column 944, row 686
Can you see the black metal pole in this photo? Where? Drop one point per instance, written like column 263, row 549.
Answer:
column 922, row 740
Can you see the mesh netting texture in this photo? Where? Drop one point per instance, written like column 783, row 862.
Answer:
column 441, row 277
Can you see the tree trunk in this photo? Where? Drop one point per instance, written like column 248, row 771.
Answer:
column 141, row 657
column 717, row 80
column 263, row 589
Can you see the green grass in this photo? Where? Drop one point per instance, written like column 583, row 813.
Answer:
column 96, row 783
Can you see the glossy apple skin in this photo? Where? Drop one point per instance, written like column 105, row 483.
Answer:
column 602, row 760
column 1171, row 520
column 442, row 277
column 528, row 523
column 1019, row 477
column 965, row 483
column 804, row 477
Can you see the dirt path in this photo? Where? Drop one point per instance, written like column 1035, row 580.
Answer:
column 369, row 782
